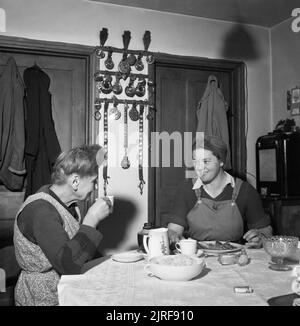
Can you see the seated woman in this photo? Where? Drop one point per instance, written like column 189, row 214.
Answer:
column 49, row 236
column 217, row 206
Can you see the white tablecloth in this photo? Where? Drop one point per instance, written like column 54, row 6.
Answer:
column 113, row 283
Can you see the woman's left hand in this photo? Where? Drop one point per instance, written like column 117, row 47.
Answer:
column 253, row 238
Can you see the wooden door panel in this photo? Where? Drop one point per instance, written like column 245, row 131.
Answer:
column 61, row 98
column 175, row 89
column 195, row 90
column 173, row 85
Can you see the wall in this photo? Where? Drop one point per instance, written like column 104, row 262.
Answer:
column 78, row 21
column 285, row 68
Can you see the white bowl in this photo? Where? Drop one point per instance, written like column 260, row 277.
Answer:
column 175, row 267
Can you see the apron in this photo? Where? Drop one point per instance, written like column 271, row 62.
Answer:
column 37, row 283
column 216, row 220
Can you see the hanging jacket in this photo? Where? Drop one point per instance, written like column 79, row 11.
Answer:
column 12, row 134
column 211, row 114
column 41, row 146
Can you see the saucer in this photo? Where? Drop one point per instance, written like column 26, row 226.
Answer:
column 127, row 257
column 198, row 254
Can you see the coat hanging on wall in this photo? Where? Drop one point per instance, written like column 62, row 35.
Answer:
column 12, row 135
column 211, row 114
column 42, row 146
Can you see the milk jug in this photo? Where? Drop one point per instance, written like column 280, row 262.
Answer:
column 156, row 242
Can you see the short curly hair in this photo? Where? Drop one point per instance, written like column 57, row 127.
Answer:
column 214, row 144
column 81, row 160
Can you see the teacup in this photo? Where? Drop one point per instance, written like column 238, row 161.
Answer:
column 187, row 246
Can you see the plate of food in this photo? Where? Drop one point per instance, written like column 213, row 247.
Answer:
column 218, row 247
column 127, row 257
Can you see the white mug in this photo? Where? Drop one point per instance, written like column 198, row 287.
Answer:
column 158, row 242
column 187, row 246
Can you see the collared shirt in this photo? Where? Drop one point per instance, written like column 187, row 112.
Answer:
column 229, row 179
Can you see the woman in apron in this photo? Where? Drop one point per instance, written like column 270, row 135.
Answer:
column 216, row 206
column 50, row 237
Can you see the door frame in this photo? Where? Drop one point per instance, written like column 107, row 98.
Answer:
column 58, row 49
column 237, row 70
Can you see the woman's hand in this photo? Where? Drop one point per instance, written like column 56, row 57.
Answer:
column 253, row 238
column 173, row 236
column 97, row 212
column 174, row 232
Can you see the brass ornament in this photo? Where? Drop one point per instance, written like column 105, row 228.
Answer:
column 133, row 112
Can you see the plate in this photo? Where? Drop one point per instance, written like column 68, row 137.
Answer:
column 127, row 257
column 204, row 245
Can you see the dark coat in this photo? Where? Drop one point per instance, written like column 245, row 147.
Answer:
column 41, row 145
column 12, row 135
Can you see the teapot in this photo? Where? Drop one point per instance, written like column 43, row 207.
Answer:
column 158, row 242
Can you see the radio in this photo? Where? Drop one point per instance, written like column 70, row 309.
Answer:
column 278, row 164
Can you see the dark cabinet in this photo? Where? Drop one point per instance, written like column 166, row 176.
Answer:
column 285, row 215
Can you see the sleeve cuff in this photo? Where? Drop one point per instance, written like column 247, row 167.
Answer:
column 261, row 224
column 177, row 220
column 93, row 236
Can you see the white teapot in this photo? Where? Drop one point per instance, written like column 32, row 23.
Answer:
column 158, row 243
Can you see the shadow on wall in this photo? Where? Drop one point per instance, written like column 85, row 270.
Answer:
column 240, row 44
column 114, row 227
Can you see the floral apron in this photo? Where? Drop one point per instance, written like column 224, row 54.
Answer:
column 216, row 220
column 37, row 283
